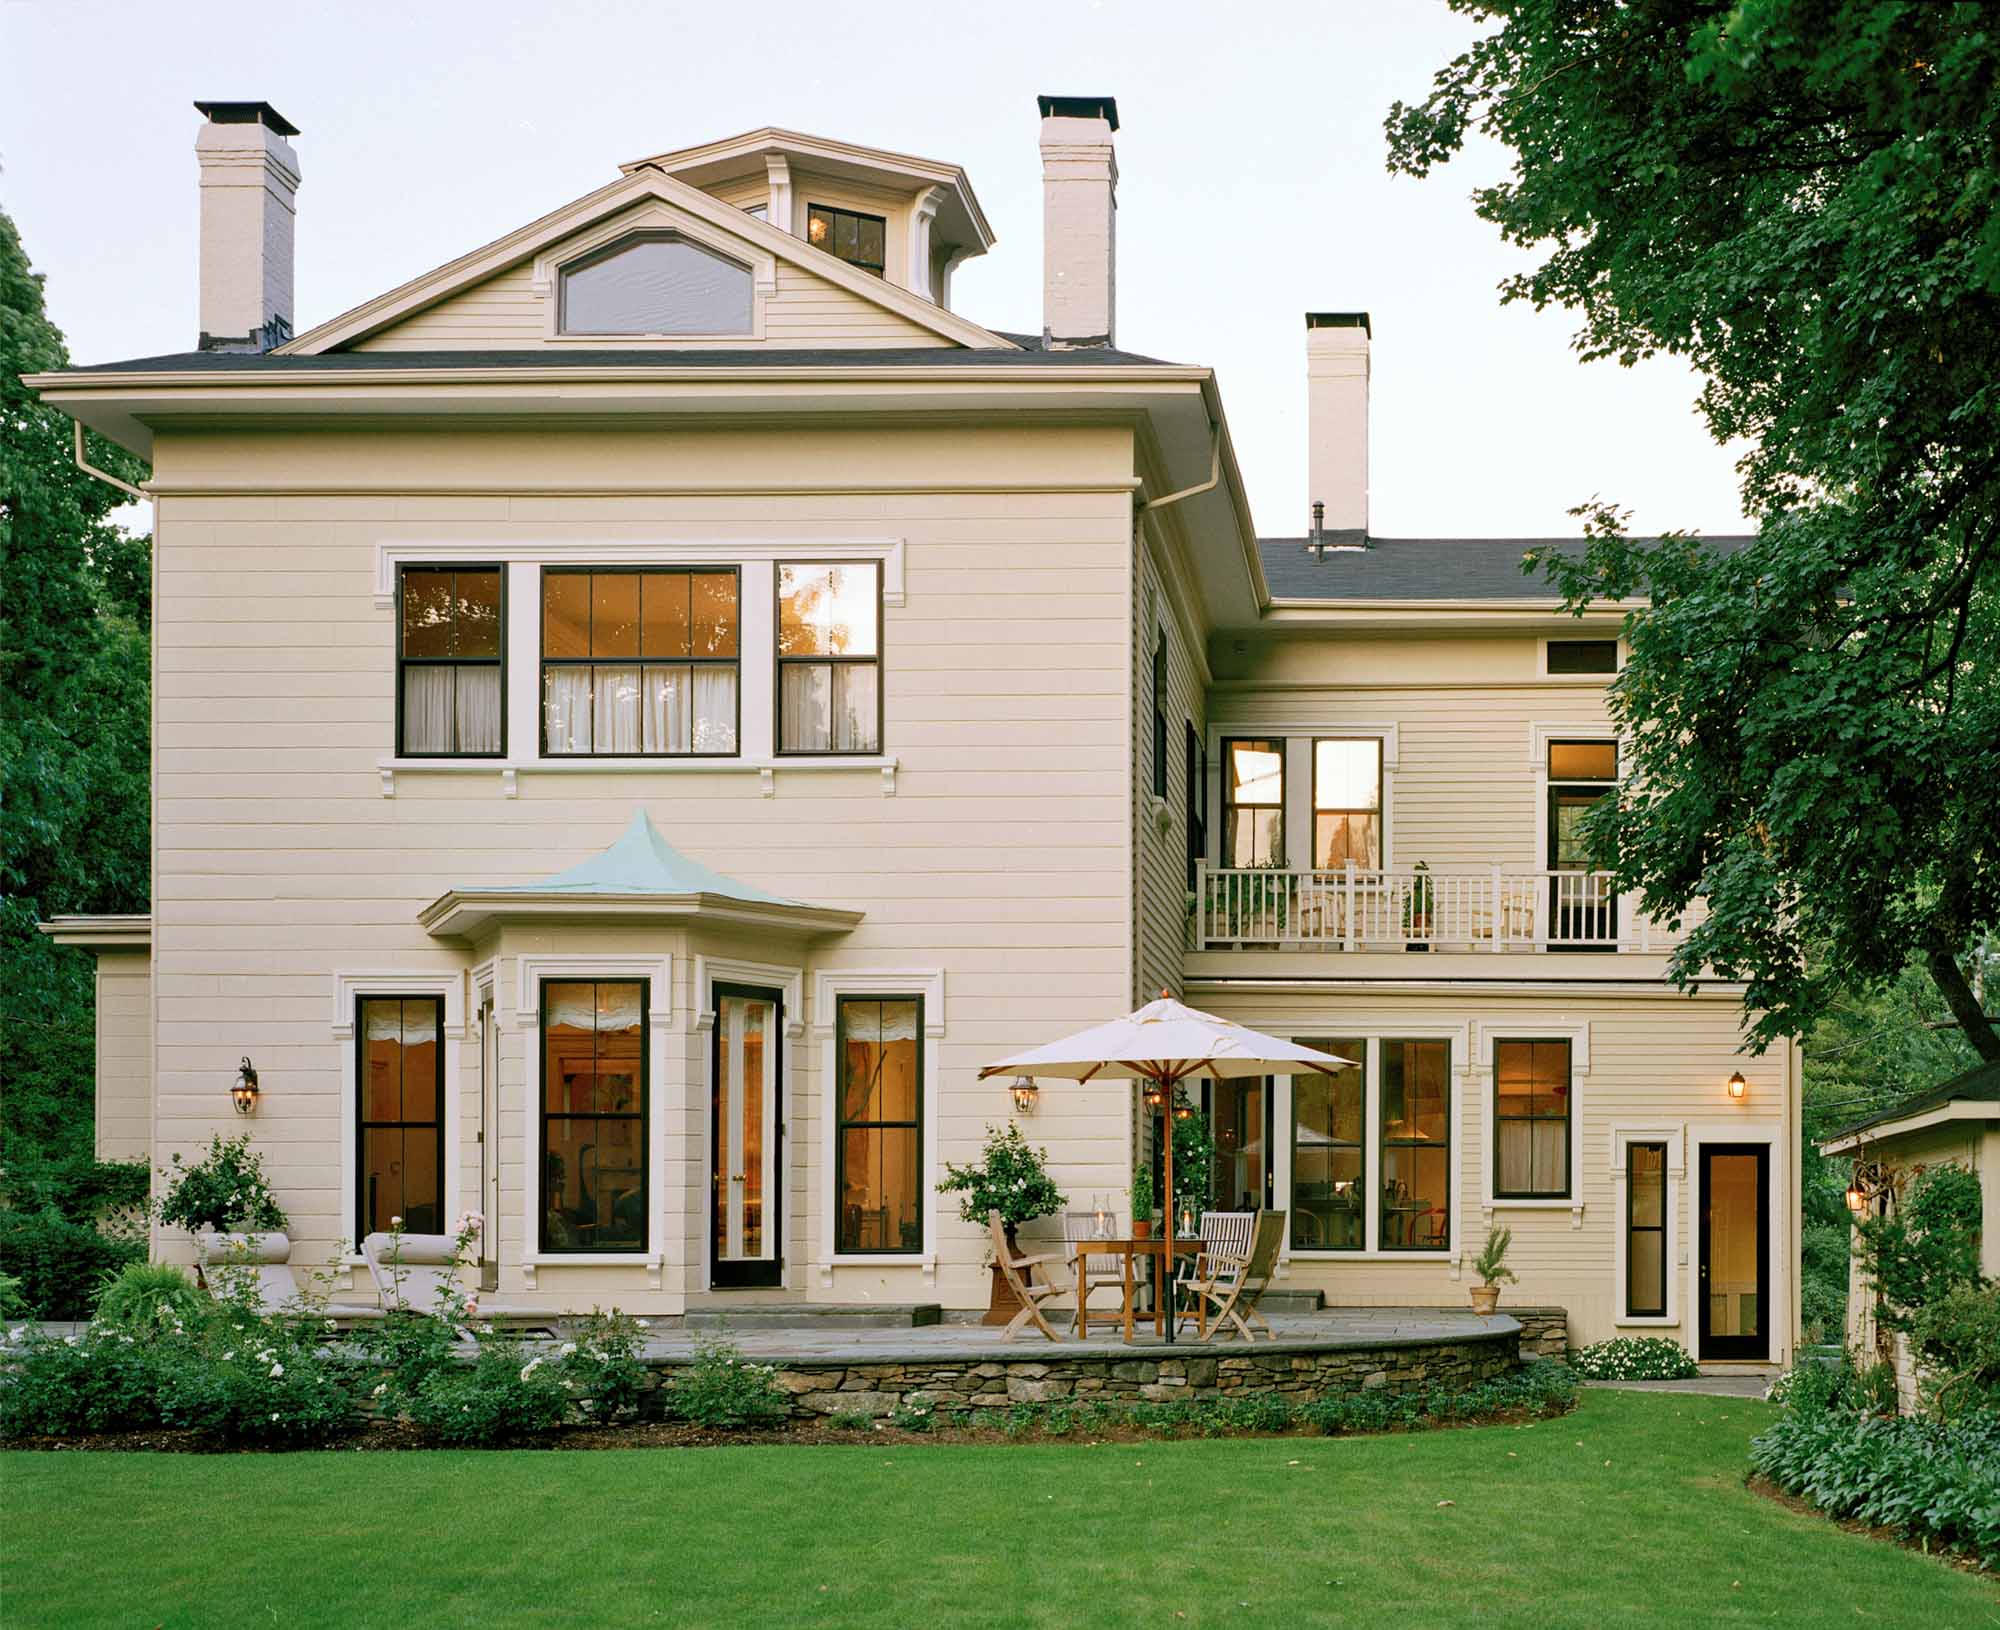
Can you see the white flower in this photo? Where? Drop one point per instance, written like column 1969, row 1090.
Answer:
column 380, row 1388
column 567, row 1348
column 276, row 1371
column 274, row 1414
column 644, row 1324
column 395, row 1222
column 226, row 1357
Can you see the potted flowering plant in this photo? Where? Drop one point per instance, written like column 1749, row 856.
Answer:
column 225, row 1201
column 1491, row 1266
column 1010, row 1177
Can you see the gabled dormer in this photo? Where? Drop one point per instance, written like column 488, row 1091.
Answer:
column 906, row 220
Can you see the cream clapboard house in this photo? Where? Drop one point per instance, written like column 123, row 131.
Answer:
column 645, row 711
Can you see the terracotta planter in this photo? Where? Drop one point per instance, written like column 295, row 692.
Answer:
column 1001, row 1303
column 1142, row 1228
column 1485, row 1298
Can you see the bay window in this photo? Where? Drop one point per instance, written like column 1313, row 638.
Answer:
column 593, row 1115
column 640, row 662
column 830, row 658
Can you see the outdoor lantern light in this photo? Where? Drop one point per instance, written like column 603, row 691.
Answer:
column 1183, row 1110
column 243, row 1090
column 1026, row 1094
column 1857, row 1202
column 1156, row 1095
column 1738, row 1088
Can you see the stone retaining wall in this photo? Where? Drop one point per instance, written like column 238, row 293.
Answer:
column 1296, row 1370
column 1544, row 1331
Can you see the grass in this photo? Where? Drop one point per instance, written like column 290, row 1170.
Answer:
column 1630, row 1511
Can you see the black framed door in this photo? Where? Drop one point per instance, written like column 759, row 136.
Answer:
column 746, row 1139
column 1735, row 1260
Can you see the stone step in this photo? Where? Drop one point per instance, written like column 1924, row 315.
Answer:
column 1292, row 1301
column 810, row 1316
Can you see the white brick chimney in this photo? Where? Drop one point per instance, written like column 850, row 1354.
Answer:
column 249, row 178
column 1337, row 417
column 1079, row 221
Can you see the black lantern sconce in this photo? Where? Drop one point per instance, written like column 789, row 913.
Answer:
column 243, row 1090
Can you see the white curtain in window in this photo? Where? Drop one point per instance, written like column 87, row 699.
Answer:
column 427, row 710
column 566, row 700
column 854, row 708
column 714, row 710
column 478, row 710
column 584, row 1007
column 665, row 725
column 830, row 707
column 614, row 711
column 411, row 1023
column 1531, row 1158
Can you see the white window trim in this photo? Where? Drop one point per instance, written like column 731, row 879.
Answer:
column 788, row 980
column 1674, row 1136
column 1698, row 1137
column 829, row 985
column 1372, row 1030
column 1584, row 635
column 657, row 974
column 1518, row 1029
column 349, row 987
column 1298, row 737
column 652, row 216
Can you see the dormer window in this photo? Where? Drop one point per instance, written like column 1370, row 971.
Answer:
column 860, row 240
column 656, row 283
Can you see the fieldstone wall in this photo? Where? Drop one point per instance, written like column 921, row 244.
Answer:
column 876, row 1388
column 1544, row 1331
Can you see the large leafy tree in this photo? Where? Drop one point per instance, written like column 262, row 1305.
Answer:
column 75, row 608
column 1798, row 197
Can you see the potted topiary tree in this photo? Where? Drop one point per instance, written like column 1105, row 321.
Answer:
column 225, row 1201
column 1142, row 1203
column 1491, row 1266
column 1010, row 1177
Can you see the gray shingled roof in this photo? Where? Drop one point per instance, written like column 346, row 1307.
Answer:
column 935, row 356
column 1979, row 1084
column 1418, row 568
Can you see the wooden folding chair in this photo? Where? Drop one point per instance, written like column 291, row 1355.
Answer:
column 1030, row 1296
column 1232, row 1286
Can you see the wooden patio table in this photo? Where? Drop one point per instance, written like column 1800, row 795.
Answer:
column 1130, row 1249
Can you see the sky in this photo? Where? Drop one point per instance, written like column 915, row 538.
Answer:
column 1252, row 189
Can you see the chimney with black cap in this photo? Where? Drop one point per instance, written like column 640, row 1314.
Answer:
column 249, row 179
column 1079, row 221
column 1337, row 421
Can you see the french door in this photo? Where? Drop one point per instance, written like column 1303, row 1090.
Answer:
column 746, row 1136
column 1735, row 1250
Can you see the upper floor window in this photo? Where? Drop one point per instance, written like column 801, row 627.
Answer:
column 449, row 685
column 1531, row 1119
column 1347, row 803
column 1160, row 714
column 1253, row 805
column 1583, row 656
column 860, row 240
column 640, row 662
column 656, row 283
column 1194, row 771
column 830, row 658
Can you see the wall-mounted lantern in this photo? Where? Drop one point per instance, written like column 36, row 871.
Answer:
column 1869, row 1182
column 243, row 1090
column 1739, row 1089
column 1156, row 1096
column 1026, row 1093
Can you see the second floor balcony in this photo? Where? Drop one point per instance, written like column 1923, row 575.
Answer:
column 1356, row 909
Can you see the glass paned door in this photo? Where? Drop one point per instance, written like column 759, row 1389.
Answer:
column 1735, row 1250
column 1239, row 1117
column 745, row 1202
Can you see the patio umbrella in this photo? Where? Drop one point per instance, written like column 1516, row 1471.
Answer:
column 1166, row 1043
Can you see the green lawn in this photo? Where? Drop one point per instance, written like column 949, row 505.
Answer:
column 1630, row 1511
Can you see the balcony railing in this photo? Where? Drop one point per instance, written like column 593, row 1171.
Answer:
column 1360, row 910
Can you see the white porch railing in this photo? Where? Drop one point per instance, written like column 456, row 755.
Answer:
column 1357, row 910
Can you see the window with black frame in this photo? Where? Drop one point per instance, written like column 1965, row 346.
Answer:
column 1583, row 910
column 640, row 662
column 860, row 240
column 1160, row 715
column 593, row 1115
column 1330, row 1151
column 1253, row 803
column 830, row 658
column 1646, row 1230
column 1531, row 1120
column 1347, row 803
column 399, row 1118
column 1194, row 770
column 1416, row 1145
column 879, row 1143
column 451, row 662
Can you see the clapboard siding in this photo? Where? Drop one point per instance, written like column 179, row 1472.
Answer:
column 124, row 1055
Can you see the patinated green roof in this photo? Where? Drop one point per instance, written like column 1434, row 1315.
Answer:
column 642, row 862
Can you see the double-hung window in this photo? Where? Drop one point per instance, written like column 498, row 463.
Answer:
column 880, row 1139
column 830, row 658
column 1347, row 803
column 593, row 1115
column 1531, row 1120
column 450, row 681
column 640, row 662
column 1160, row 715
column 399, row 1119
column 1645, row 1230
column 1253, row 806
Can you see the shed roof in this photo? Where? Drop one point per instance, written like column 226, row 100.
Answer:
column 1356, row 567
column 1980, row 1084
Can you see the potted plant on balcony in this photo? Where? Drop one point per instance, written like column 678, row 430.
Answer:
column 1012, row 1178
column 1491, row 1266
column 1417, row 908
column 1142, row 1203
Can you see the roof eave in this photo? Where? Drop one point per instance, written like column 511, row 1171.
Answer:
column 464, row 914
column 103, row 933
column 1856, row 1138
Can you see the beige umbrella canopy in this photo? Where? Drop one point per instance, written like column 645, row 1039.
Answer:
column 1166, row 1043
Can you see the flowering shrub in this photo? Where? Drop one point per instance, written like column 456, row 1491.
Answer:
column 501, row 1397
column 1011, row 1177
column 602, row 1364
column 721, row 1388
column 225, row 1190
column 1634, row 1358
column 100, row 1381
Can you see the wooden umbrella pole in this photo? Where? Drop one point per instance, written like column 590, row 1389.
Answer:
column 1166, row 1289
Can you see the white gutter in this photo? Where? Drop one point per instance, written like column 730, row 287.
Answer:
column 105, row 476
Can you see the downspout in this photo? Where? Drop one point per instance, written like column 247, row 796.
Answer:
column 105, row 476
column 1214, row 474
